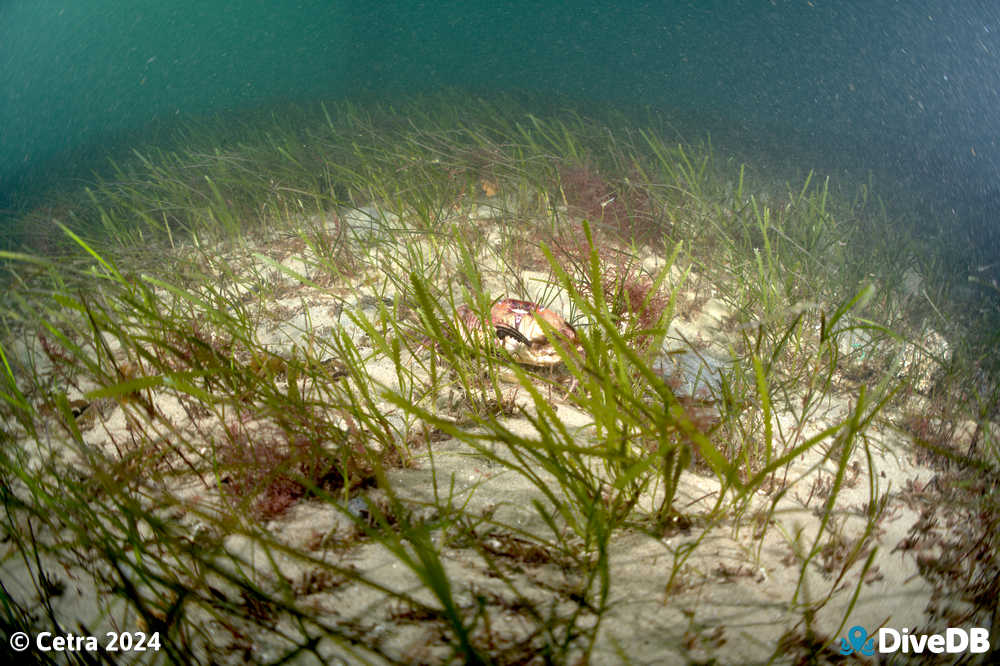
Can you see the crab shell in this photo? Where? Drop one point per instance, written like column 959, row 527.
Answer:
column 517, row 330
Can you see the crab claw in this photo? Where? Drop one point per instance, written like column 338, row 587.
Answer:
column 504, row 331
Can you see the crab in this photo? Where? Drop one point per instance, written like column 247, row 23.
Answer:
column 516, row 325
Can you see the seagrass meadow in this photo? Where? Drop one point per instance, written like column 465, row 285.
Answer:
column 239, row 414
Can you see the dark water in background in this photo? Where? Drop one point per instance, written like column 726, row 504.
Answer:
column 908, row 88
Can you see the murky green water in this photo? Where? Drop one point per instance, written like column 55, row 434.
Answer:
column 905, row 89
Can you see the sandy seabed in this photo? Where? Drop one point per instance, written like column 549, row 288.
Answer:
column 730, row 598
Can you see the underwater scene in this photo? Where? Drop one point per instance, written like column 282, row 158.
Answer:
column 517, row 333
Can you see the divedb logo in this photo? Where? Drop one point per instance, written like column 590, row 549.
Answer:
column 954, row 639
